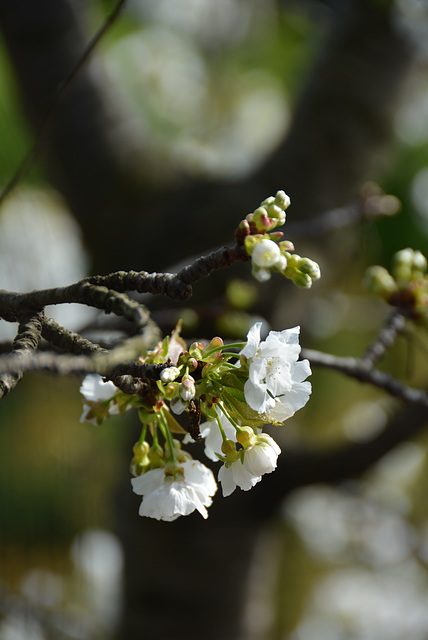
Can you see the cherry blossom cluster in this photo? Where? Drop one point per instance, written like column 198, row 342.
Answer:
column 224, row 394
column 268, row 253
column 406, row 287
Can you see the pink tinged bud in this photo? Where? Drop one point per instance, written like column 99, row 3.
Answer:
column 242, row 231
column 286, row 245
column 187, row 389
column 276, row 236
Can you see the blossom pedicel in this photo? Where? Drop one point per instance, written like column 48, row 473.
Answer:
column 235, row 389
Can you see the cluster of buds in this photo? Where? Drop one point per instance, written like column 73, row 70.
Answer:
column 268, row 252
column 406, row 287
column 233, row 393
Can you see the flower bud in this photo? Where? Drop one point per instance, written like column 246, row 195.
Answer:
column 262, row 275
column 250, row 243
column 228, row 447
column 281, row 265
column 262, row 221
column 169, row 374
column 265, row 253
column 302, row 280
column 419, row 261
column 282, row 200
column 286, row 245
column 245, row 436
column 187, row 389
column 305, row 265
column 379, row 281
column 242, row 231
column 141, row 449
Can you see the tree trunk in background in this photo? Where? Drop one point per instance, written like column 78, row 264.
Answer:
column 187, row 580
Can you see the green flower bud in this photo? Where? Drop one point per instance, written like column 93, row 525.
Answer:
column 305, row 265
column 228, row 447
column 302, row 280
column 249, row 244
column 379, row 281
column 282, row 200
column 141, row 449
column 245, row 436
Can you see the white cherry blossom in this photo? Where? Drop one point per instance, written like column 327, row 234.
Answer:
column 167, row 497
column 94, row 389
column 276, row 387
column 261, row 457
column 236, row 475
column 210, row 431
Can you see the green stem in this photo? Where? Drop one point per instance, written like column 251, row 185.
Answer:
column 229, row 417
column 167, row 435
column 232, row 345
column 142, row 437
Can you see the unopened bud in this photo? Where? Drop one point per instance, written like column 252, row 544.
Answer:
column 305, row 265
column 302, row 280
column 262, row 275
column 378, row 280
column 228, row 447
column 282, row 200
column 187, row 389
column 245, row 436
column 169, row 374
column 265, row 253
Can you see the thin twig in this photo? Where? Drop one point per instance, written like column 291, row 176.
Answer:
column 31, row 154
column 364, row 372
column 385, row 339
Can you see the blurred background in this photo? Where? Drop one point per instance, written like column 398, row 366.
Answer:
column 190, row 113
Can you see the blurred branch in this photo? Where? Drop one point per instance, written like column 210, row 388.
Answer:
column 385, row 339
column 31, row 154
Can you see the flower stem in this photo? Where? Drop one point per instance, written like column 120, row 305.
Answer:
column 142, row 437
column 232, row 345
column 167, row 435
column 229, row 417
